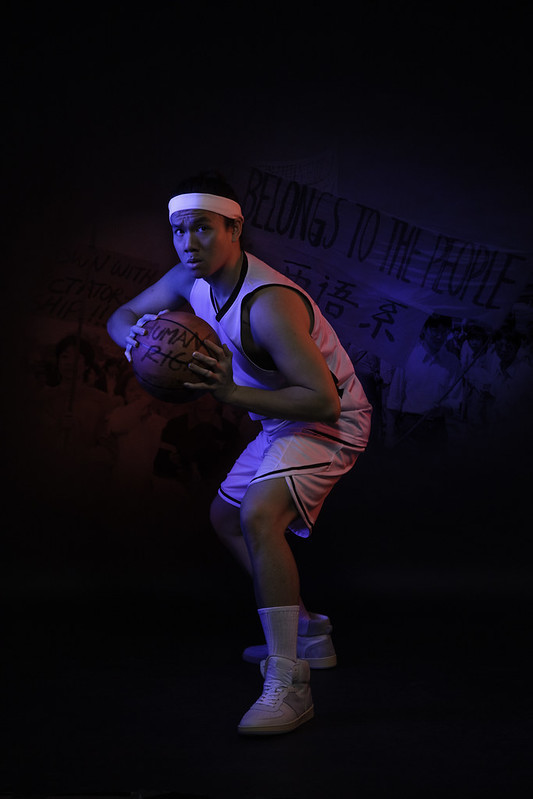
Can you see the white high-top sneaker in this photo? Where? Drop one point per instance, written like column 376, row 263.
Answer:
column 286, row 700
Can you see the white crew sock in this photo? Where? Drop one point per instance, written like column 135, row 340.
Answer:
column 280, row 626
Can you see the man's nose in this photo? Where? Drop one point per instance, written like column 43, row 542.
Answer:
column 190, row 242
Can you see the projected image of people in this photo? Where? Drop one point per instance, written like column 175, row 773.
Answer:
column 278, row 359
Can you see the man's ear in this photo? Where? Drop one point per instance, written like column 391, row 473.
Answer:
column 237, row 229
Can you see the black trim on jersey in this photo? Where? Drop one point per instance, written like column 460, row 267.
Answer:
column 266, row 362
column 233, row 296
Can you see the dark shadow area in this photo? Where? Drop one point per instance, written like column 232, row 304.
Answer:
column 122, row 643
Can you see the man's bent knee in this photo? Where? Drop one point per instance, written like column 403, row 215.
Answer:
column 267, row 510
column 225, row 518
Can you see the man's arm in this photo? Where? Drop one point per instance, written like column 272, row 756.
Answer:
column 169, row 293
column 279, row 322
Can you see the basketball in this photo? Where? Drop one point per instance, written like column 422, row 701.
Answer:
column 160, row 362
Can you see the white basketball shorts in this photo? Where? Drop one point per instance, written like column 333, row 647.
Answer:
column 310, row 461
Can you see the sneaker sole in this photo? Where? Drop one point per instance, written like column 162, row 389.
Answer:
column 278, row 729
column 322, row 663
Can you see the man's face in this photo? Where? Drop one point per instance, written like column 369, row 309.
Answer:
column 202, row 241
column 435, row 337
column 476, row 343
column 506, row 350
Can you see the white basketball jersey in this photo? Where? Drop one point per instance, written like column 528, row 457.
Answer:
column 353, row 426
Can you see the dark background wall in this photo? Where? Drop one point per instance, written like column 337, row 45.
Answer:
column 427, row 108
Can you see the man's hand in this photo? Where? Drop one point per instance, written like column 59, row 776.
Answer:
column 138, row 330
column 216, row 371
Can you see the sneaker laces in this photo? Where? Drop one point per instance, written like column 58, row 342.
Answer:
column 272, row 690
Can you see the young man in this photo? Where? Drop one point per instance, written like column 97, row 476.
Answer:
column 282, row 362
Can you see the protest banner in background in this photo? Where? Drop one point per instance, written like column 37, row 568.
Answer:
column 85, row 286
column 363, row 318
column 320, row 170
column 376, row 277
column 371, row 273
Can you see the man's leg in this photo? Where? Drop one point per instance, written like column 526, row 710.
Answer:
column 314, row 641
column 226, row 521
column 266, row 512
column 286, row 702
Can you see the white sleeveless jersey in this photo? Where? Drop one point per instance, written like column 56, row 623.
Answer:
column 353, row 425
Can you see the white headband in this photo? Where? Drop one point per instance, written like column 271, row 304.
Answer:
column 205, row 202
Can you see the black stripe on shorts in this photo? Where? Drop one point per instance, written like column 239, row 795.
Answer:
column 308, row 467
column 300, row 505
column 321, row 434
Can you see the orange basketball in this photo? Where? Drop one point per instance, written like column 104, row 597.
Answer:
column 160, row 362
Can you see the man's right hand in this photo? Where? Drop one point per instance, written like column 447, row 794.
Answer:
column 138, row 330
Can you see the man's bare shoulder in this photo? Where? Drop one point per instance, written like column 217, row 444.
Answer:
column 178, row 279
column 279, row 310
column 279, row 301
column 179, row 274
